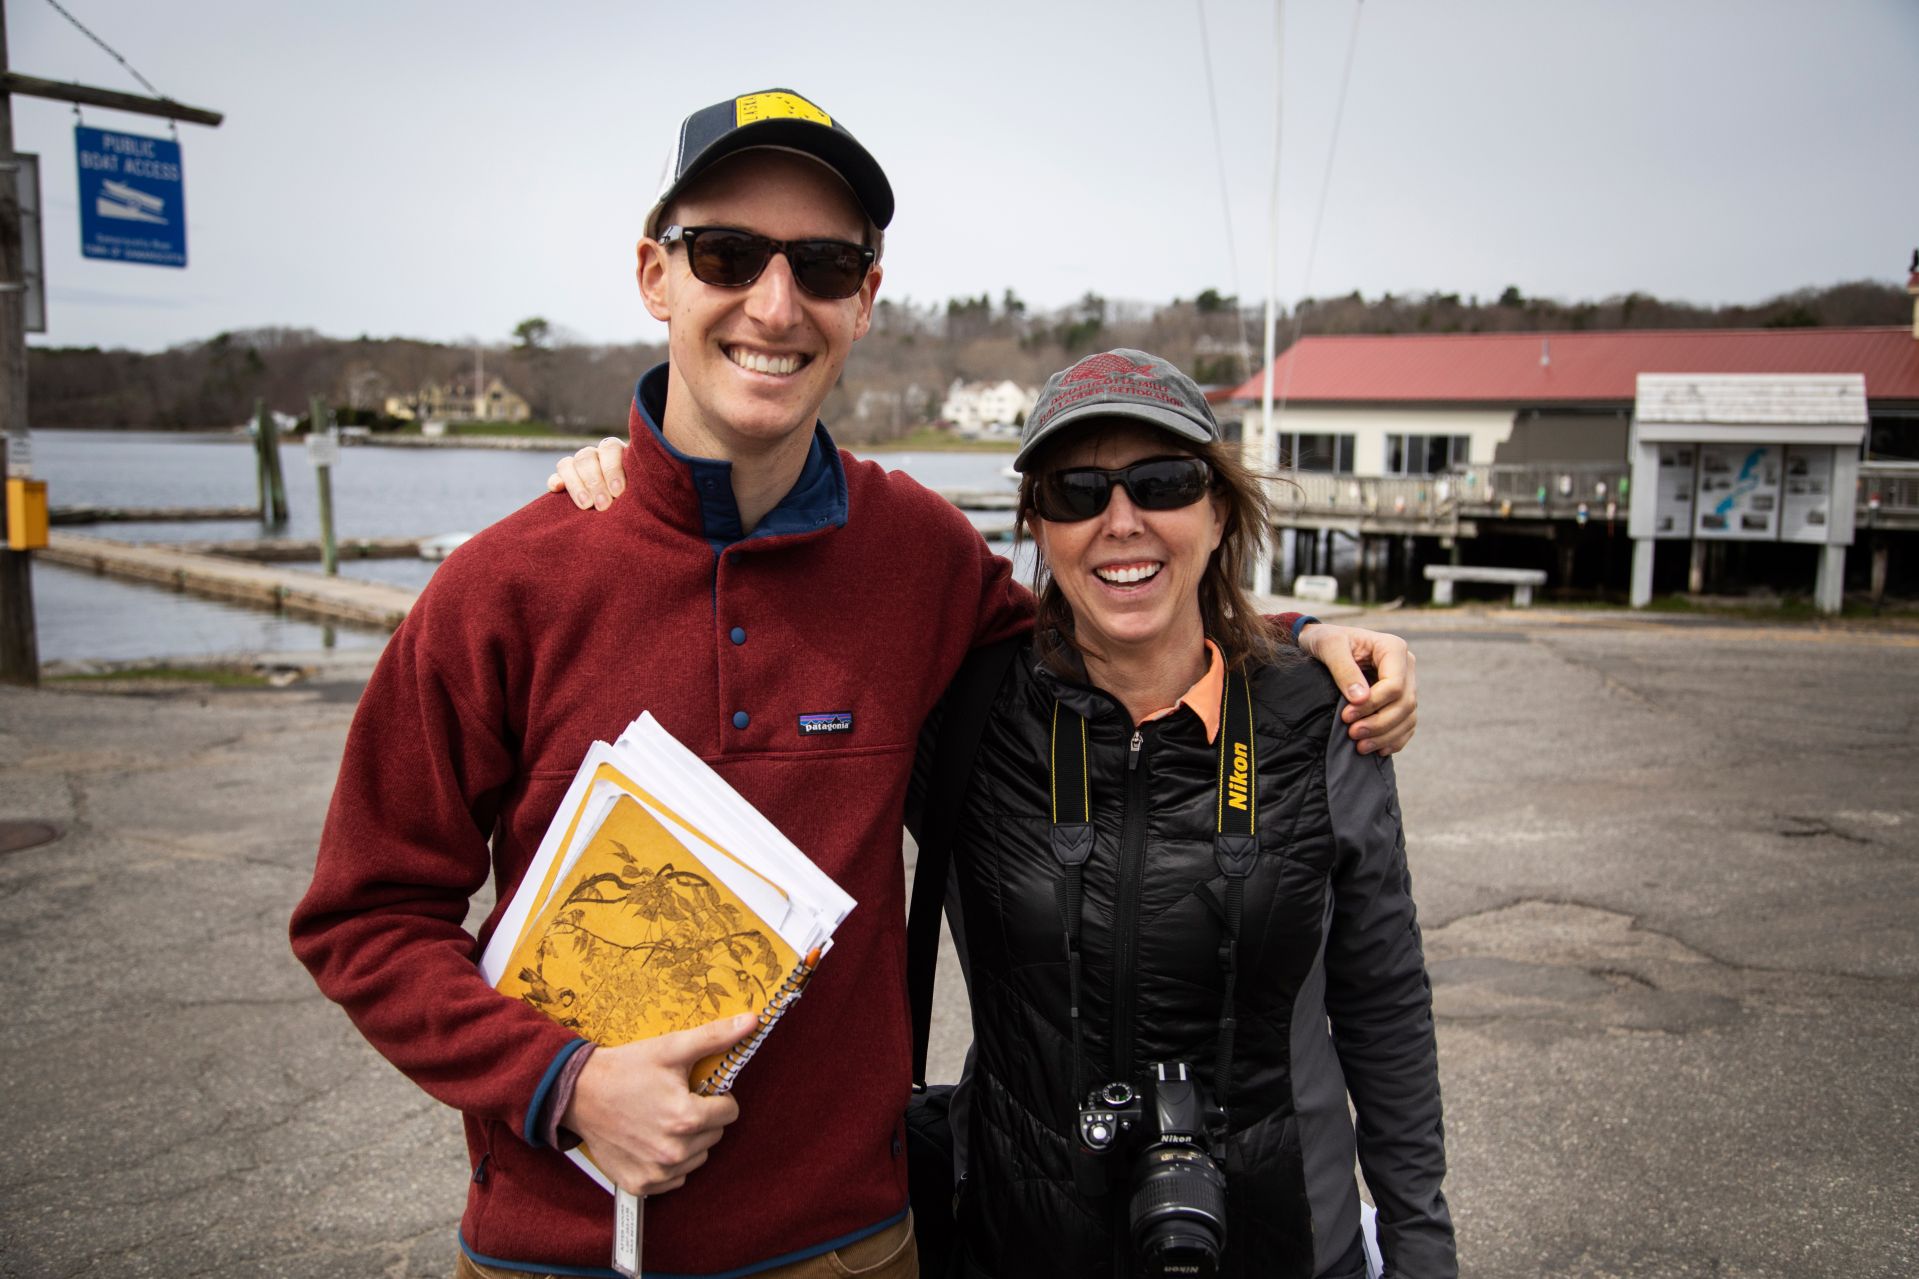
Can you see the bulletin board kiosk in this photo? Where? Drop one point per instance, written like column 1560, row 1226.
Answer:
column 1746, row 458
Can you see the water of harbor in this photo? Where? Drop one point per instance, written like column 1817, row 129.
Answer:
column 377, row 492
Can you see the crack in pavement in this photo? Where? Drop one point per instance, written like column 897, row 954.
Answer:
column 1607, row 681
column 1814, row 827
column 1697, row 952
column 1586, row 969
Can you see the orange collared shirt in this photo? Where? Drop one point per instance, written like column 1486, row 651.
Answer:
column 1204, row 696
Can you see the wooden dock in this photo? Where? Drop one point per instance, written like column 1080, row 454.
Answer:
column 265, row 550
column 327, row 599
column 148, row 514
column 982, row 499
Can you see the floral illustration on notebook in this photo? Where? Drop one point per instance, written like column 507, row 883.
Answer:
column 642, row 939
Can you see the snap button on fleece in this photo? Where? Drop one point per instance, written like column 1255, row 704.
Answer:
column 741, row 719
column 738, row 635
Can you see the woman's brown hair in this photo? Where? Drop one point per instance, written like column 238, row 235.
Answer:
column 1244, row 636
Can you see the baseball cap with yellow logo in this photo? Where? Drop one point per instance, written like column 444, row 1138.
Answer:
column 778, row 118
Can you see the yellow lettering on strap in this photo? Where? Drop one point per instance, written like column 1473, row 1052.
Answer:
column 1238, row 784
column 776, row 106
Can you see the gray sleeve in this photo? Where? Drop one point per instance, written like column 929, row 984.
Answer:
column 1380, row 1006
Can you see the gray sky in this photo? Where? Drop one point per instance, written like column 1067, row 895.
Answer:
column 443, row 170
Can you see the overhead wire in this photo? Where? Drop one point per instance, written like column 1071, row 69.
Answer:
column 1325, row 187
column 1225, row 193
column 111, row 51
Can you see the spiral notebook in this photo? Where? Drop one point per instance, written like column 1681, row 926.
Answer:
column 660, row 900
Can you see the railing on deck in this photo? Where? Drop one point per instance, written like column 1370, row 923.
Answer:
column 1537, row 491
column 1316, row 494
column 1552, row 490
column 1888, row 494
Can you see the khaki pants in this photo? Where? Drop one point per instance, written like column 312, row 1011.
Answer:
column 889, row 1254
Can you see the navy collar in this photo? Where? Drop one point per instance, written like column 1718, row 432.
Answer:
column 816, row 501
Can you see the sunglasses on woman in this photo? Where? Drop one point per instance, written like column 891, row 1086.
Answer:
column 732, row 259
column 1157, row 484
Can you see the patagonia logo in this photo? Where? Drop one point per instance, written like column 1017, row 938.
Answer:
column 1236, row 781
column 826, row 722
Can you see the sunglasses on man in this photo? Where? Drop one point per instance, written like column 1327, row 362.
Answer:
column 730, row 258
column 1156, row 484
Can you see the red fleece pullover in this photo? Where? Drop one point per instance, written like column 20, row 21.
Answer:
column 552, row 629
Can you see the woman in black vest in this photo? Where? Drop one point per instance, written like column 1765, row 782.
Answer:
column 1182, row 895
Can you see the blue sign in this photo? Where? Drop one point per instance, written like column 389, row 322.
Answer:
column 133, row 199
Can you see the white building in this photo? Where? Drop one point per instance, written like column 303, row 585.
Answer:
column 459, row 401
column 975, row 408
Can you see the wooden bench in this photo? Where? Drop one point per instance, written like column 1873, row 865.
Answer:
column 1522, row 580
column 1317, row 588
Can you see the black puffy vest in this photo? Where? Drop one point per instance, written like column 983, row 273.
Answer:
column 1152, row 979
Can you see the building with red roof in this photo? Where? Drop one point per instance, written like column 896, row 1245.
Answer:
column 1416, row 405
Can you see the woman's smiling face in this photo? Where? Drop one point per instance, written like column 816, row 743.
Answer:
column 1130, row 576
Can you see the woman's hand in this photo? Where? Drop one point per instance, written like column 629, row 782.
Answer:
column 1380, row 715
column 593, row 476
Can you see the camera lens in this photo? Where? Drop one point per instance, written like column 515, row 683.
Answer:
column 1178, row 1212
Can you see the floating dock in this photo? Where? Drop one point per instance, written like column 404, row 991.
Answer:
column 148, row 514
column 327, row 599
column 266, row 550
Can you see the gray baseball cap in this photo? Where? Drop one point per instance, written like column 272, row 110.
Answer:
column 1119, row 383
column 781, row 119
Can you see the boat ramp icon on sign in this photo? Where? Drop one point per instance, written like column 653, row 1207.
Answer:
column 132, row 198
column 118, row 200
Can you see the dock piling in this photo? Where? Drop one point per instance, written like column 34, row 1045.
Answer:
column 323, row 445
column 273, row 484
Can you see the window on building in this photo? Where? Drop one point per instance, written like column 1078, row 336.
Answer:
column 1316, row 451
column 1426, row 454
column 1893, row 438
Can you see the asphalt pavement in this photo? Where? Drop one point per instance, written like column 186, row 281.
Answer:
column 1667, row 875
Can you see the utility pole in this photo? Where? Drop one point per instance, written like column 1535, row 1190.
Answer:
column 19, row 645
column 19, row 642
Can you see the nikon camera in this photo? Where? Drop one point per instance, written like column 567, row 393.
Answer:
column 1177, row 1213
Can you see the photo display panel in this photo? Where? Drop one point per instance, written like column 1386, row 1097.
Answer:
column 1672, row 500
column 1738, row 492
column 1806, row 510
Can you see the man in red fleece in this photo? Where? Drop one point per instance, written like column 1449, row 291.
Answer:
column 752, row 576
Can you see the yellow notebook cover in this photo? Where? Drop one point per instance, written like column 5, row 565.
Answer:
column 640, row 939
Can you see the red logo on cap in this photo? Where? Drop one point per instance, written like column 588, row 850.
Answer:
column 1105, row 366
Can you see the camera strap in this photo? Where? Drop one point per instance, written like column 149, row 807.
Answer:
column 1072, row 839
column 1235, row 847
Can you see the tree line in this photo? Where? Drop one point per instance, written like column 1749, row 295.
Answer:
column 894, row 380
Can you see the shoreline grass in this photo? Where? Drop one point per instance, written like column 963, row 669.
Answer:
column 932, row 440
column 207, row 676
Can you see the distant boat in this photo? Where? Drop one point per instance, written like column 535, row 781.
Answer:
column 438, row 548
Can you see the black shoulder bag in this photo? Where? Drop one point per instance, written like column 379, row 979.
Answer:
column 929, row 1129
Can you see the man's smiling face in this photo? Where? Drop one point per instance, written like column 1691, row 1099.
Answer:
column 751, row 365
